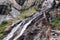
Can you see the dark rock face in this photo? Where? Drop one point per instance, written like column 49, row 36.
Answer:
column 20, row 2
column 3, row 9
column 7, row 11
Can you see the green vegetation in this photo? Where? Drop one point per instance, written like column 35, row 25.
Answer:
column 27, row 12
column 58, row 7
column 2, row 28
column 56, row 22
column 22, row 10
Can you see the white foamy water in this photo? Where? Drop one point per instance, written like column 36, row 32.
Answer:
column 12, row 32
column 14, row 12
column 10, row 35
column 24, row 28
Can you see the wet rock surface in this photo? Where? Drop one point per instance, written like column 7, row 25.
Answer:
column 20, row 2
column 7, row 12
column 35, row 27
column 13, row 6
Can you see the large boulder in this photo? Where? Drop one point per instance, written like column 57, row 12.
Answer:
column 54, row 13
column 7, row 11
column 22, row 4
column 3, row 9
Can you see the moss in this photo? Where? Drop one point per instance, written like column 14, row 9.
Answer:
column 58, row 7
column 22, row 10
column 27, row 12
column 2, row 28
column 56, row 22
column 25, row 16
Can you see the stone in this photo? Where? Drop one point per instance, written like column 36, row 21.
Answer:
column 20, row 2
column 54, row 13
column 7, row 12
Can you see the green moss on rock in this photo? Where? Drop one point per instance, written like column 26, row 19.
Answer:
column 2, row 28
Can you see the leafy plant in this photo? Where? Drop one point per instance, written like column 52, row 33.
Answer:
column 56, row 22
column 27, row 12
column 2, row 28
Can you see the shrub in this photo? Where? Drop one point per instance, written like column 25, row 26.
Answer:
column 2, row 28
column 56, row 22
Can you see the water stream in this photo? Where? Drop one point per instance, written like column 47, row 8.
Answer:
column 18, row 30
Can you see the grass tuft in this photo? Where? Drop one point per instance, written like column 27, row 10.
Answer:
column 2, row 28
column 56, row 22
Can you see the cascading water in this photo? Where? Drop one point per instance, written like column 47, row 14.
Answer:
column 21, row 27
column 18, row 30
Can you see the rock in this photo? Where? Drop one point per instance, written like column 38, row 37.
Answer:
column 48, row 4
column 32, row 26
column 23, row 4
column 20, row 2
column 1, row 1
column 7, row 12
column 28, row 3
column 14, row 4
column 31, row 3
column 3, row 9
column 14, row 12
column 54, row 13
column 2, row 18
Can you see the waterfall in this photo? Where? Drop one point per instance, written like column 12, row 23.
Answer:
column 12, row 32
column 18, row 30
